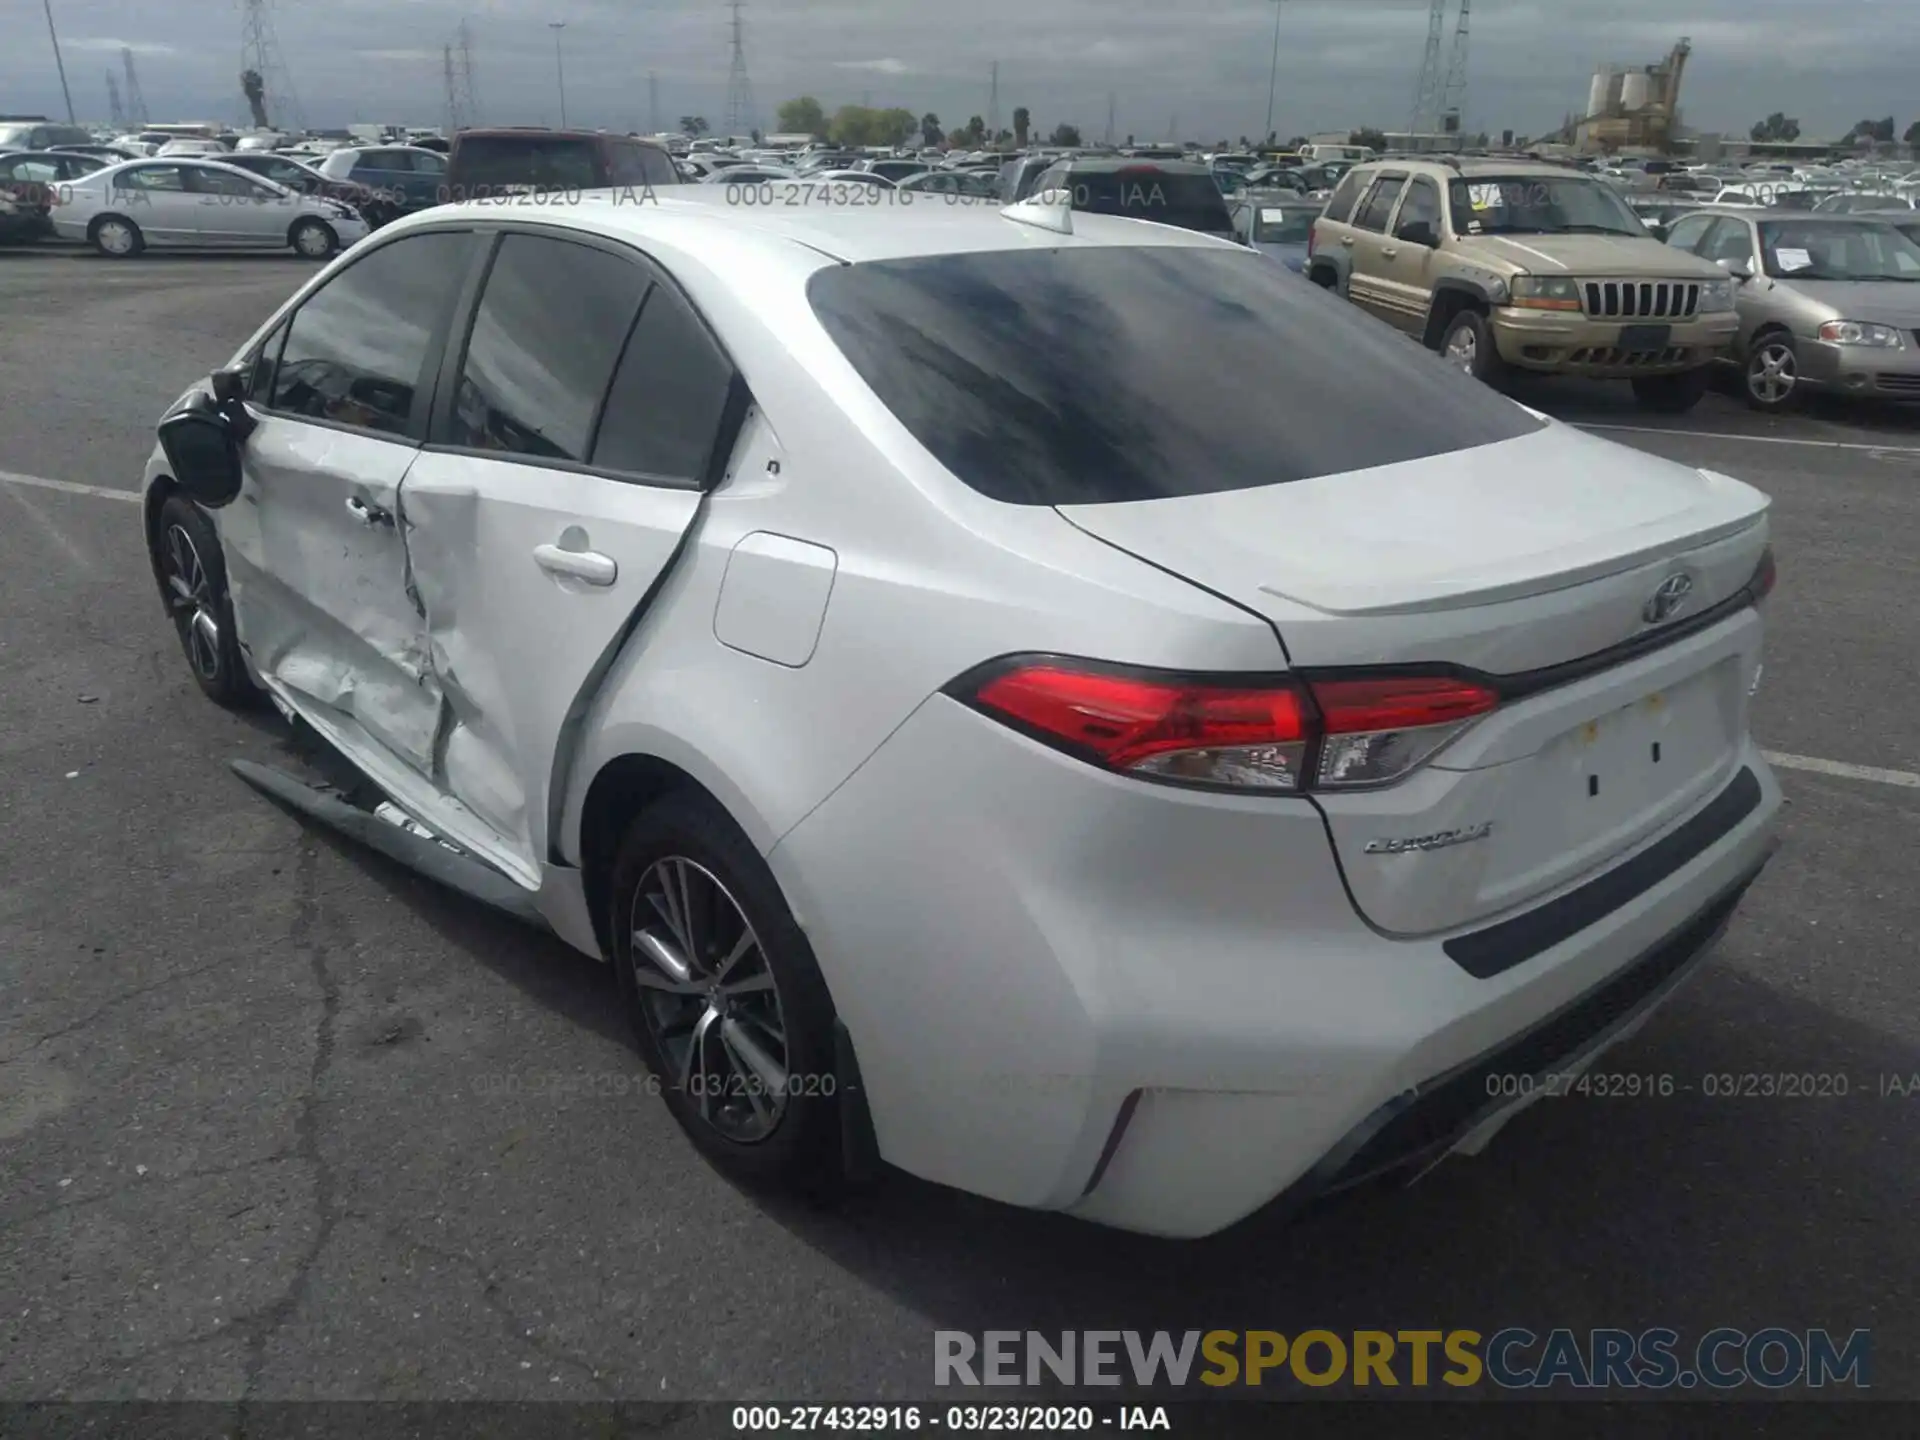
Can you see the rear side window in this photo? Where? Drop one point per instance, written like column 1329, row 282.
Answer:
column 1087, row 375
column 1193, row 202
column 1373, row 215
column 495, row 164
column 669, row 398
column 1340, row 206
column 635, row 164
column 357, row 347
column 546, row 335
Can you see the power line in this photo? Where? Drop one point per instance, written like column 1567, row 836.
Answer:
column 466, row 96
column 1453, row 98
column 993, row 101
column 116, row 111
column 54, row 36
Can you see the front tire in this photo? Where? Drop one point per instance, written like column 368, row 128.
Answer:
column 314, row 240
column 727, row 1004
column 117, row 237
column 1770, row 377
column 1467, row 344
column 1671, row 394
column 193, row 581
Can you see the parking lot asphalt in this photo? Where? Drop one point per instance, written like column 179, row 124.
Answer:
column 278, row 1120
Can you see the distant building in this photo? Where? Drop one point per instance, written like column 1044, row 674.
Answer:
column 1634, row 108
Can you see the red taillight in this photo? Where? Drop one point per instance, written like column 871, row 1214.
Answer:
column 1285, row 735
column 1761, row 585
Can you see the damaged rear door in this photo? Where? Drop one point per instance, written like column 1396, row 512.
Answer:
column 581, row 416
column 316, row 548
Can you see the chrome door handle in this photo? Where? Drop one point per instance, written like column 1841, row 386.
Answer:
column 367, row 514
column 587, row 565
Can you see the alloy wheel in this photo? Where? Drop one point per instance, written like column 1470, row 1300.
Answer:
column 1772, row 373
column 191, row 597
column 1463, row 349
column 710, row 999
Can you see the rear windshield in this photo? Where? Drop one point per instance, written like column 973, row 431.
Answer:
column 1146, row 192
column 488, row 164
column 1079, row 376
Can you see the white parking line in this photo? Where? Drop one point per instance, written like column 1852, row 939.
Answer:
column 1753, row 439
column 1906, row 779
column 37, row 482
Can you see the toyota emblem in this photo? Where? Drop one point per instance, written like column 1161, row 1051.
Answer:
column 1665, row 602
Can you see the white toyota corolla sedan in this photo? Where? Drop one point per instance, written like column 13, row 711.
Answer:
column 125, row 209
column 1043, row 700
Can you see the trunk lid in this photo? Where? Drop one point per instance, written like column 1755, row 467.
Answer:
column 1505, row 559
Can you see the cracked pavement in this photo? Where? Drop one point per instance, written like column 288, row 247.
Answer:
column 279, row 1121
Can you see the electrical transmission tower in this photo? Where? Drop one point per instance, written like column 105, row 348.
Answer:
column 116, row 112
column 456, row 59
column 1430, row 92
column 260, row 53
column 740, row 116
column 1453, row 98
column 136, row 102
column 993, row 101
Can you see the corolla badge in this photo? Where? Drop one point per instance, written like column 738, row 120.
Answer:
column 1666, row 601
column 1440, row 840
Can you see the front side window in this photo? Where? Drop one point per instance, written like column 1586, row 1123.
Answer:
column 546, row 336
column 1729, row 240
column 1422, row 206
column 1127, row 373
column 358, row 347
column 1688, row 233
column 1379, row 207
column 204, row 181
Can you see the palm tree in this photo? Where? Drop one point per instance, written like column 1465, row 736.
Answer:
column 255, row 89
column 694, row 125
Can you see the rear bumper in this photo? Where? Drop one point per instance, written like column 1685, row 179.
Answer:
column 1157, row 1009
column 1574, row 344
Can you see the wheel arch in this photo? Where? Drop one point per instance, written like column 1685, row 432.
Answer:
column 1450, row 297
column 93, row 225
column 158, row 492
column 621, row 788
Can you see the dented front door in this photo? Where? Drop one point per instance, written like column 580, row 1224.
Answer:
column 320, row 584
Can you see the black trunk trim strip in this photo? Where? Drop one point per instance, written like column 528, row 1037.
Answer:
column 1485, row 953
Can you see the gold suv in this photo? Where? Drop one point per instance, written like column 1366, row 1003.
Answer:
column 1511, row 264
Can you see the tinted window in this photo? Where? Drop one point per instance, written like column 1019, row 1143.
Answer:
column 1147, row 192
column 1422, row 204
column 664, row 412
column 1373, row 215
column 1130, row 373
column 491, row 163
column 358, row 346
column 546, row 336
column 635, row 164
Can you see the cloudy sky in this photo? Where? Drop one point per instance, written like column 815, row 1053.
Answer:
column 1203, row 64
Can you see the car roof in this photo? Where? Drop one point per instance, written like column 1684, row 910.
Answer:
column 1799, row 217
column 851, row 235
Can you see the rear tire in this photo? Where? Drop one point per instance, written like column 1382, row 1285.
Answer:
column 192, row 571
column 1671, row 394
column 1467, row 344
column 747, row 1067
column 117, row 237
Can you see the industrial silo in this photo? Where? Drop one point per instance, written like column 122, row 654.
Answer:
column 1636, row 89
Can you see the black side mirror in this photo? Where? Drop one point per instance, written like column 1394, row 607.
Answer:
column 202, row 451
column 1419, row 232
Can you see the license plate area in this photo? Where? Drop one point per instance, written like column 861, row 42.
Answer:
column 1609, row 782
column 1644, row 337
